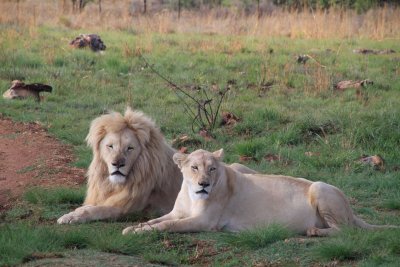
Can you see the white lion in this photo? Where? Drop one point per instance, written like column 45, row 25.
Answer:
column 216, row 197
column 132, row 169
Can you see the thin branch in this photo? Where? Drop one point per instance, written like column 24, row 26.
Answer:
column 222, row 93
column 187, row 107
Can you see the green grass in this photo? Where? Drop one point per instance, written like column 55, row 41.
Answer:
column 38, row 195
column 299, row 113
column 378, row 247
column 259, row 237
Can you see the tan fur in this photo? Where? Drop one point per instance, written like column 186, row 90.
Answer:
column 234, row 201
column 21, row 93
column 151, row 181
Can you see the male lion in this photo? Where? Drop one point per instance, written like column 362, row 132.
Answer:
column 132, row 169
column 216, row 197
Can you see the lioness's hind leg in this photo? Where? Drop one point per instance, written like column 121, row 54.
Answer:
column 314, row 231
column 331, row 228
column 332, row 207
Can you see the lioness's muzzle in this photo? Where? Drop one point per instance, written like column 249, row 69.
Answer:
column 202, row 191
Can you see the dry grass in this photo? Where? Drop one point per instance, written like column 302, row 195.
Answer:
column 375, row 24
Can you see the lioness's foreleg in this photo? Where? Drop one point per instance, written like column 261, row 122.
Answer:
column 192, row 224
column 90, row 213
column 166, row 217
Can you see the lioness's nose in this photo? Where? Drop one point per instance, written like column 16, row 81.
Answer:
column 204, row 184
column 119, row 163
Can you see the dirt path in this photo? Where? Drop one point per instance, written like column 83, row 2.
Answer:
column 29, row 156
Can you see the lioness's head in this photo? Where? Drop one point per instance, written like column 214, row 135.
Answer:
column 118, row 141
column 200, row 171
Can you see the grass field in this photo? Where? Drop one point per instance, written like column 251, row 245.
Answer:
column 288, row 112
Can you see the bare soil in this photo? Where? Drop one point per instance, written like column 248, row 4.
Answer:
column 29, row 156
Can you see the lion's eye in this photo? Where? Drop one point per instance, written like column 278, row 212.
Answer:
column 212, row 169
column 130, row 148
column 194, row 168
column 110, row 146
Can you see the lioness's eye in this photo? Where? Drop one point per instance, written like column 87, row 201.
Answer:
column 130, row 148
column 110, row 146
column 212, row 169
column 194, row 168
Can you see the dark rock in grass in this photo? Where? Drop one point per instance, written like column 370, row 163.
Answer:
column 93, row 41
column 302, row 59
column 365, row 51
column 352, row 84
column 20, row 90
column 229, row 118
column 375, row 161
column 184, row 141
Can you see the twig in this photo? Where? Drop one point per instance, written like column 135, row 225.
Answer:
column 187, row 107
column 316, row 61
column 205, row 117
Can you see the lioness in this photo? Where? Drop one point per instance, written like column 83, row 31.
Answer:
column 214, row 196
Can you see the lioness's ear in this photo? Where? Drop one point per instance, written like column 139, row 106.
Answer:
column 179, row 158
column 219, row 154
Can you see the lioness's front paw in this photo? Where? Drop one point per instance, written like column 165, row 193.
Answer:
column 137, row 229
column 72, row 217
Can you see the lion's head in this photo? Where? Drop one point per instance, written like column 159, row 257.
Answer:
column 200, row 171
column 121, row 145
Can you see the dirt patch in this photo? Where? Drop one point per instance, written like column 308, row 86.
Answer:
column 29, row 156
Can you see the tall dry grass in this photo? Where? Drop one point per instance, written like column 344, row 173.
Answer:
column 375, row 24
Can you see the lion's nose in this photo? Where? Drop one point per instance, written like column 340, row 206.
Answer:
column 119, row 163
column 204, row 184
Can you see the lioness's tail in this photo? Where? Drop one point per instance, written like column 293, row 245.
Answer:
column 362, row 224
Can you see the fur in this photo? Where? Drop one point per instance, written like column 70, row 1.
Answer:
column 152, row 182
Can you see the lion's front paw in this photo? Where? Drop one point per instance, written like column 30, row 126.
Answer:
column 72, row 217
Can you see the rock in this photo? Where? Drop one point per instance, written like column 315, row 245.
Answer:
column 20, row 90
column 93, row 41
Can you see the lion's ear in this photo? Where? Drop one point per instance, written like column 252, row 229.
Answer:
column 179, row 158
column 219, row 154
column 143, row 135
column 96, row 132
column 142, row 125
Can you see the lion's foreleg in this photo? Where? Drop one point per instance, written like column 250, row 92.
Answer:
column 90, row 213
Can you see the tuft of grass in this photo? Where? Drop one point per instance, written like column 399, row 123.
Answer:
column 356, row 244
column 259, row 237
column 18, row 241
column 59, row 195
column 338, row 251
column 391, row 204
